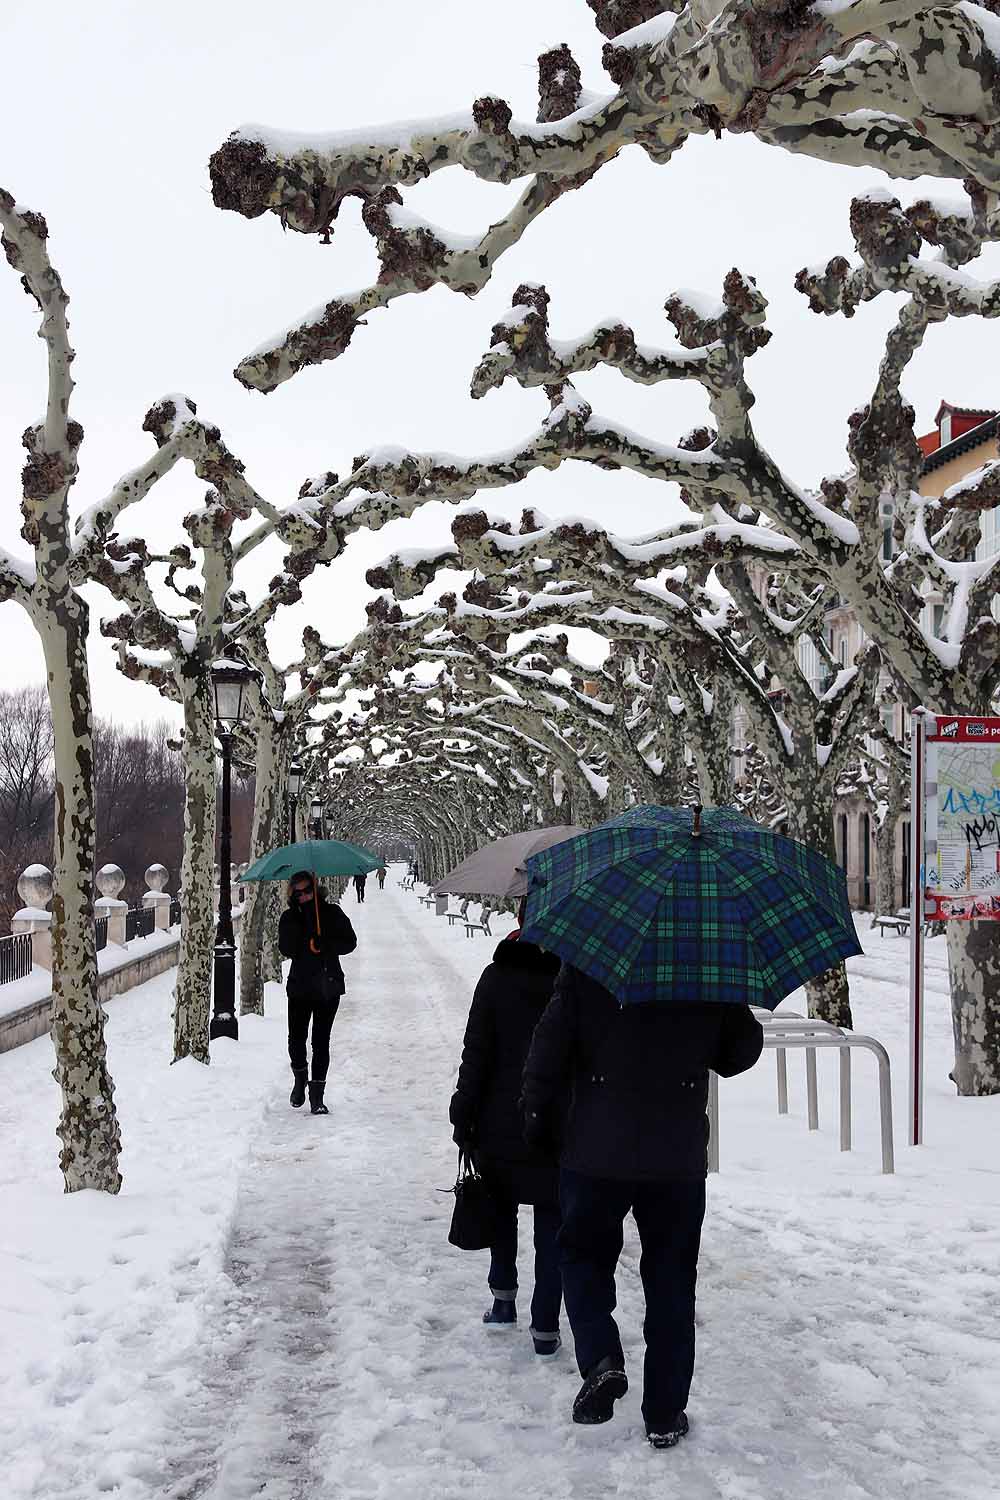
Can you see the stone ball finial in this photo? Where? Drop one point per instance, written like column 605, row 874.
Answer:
column 34, row 886
column 156, row 877
column 111, row 881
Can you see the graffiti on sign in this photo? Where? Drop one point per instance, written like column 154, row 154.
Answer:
column 963, row 820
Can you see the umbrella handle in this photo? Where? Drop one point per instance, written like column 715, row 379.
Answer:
column 696, row 830
column 314, row 941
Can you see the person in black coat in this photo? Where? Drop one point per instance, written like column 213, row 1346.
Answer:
column 315, row 982
column 635, row 1138
column 511, row 995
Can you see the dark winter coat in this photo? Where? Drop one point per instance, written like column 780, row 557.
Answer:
column 297, row 926
column 511, row 995
column 638, row 1076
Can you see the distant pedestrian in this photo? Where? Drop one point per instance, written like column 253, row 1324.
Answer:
column 634, row 1141
column 315, row 982
column 359, row 886
column 381, row 879
column 512, row 993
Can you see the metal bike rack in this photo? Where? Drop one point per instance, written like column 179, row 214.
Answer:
column 799, row 1033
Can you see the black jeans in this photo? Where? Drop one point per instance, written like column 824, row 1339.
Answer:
column 546, row 1298
column 303, row 1006
column 668, row 1216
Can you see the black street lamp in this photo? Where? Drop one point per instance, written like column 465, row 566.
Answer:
column 294, row 787
column 316, row 817
column 230, row 683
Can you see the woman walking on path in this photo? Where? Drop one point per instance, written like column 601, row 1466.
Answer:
column 511, row 995
column 635, row 1140
column 381, row 879
column 315, row 982
column 359, row 886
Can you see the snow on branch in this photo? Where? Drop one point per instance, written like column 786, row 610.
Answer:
column 886, row 83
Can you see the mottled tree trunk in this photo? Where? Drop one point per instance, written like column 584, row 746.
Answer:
column 193, row 991
column 88, row 1125
column 271, row 964
column 885, row 867
column 266, row 815
column 810, row 819
column 974, row 969
column 896, row 793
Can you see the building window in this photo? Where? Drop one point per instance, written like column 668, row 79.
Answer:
column 866, row 859
column 842, row 841
column 937, row 620
column 945, row 428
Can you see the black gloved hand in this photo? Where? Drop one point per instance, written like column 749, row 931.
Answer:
column 464, row 1133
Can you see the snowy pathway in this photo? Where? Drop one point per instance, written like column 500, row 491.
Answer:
column 271, row 1309
column 353, row 1363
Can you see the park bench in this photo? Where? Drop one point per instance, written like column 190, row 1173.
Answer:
column 893, row 924
column 427, row 900
column 900, row 922
column 483, row 925
column 458, row 916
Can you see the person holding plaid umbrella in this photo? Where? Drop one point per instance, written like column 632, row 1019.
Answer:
column 669, row 924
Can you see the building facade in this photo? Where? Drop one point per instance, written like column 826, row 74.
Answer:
column 963, row 439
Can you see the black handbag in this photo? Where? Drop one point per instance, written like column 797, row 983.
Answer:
column 474, row 1217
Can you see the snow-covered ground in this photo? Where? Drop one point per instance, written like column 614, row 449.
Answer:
column 270, row 1308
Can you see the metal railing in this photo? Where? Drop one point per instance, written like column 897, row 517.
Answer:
column 784, row 1032
column 140, row 921
column 15, row 956
column 101, row 932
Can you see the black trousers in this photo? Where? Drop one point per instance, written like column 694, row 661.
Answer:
column 668, row 1216
column 512, row 1184
column 305, row 1006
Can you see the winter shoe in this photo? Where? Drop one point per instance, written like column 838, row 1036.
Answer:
column 298, row 1095
column 606, row 1383
column 547, row 1345
column 668, row 1434
column 316, row 1105
column 503, row 1313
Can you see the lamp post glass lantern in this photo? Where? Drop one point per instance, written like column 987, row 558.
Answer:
column 316, row 818
column 294, row 787
column 231, row 682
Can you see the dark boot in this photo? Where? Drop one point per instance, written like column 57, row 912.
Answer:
column 605, row 1383
column 298, row 1095
column 316, row 1105
column 669, row 1433
column 503, row 1313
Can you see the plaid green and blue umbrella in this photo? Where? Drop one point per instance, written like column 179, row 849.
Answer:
column 738, row 914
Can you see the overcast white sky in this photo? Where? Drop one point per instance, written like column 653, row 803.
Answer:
column 108, row 115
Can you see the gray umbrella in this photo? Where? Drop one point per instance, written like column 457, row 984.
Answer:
column 495, row 869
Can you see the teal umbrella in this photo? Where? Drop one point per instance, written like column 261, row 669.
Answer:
column 318, row 856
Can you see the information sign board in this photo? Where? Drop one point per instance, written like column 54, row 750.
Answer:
column 962, row 819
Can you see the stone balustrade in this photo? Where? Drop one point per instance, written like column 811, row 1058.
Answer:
column 35, row 889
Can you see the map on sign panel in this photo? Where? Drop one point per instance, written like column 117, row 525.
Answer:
column 963, row 820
